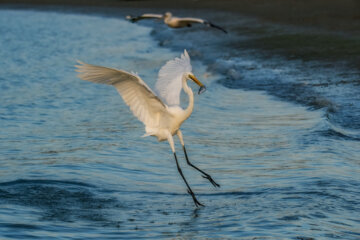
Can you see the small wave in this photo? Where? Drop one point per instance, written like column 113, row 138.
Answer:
column 277, row 82
column 341, row 132
column 44, row 181
column 58, row 200
column 20, row 226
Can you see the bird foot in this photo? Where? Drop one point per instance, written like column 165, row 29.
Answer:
column 208, row 177
column 197, row 203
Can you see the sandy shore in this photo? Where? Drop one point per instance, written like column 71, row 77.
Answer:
column 333, row 15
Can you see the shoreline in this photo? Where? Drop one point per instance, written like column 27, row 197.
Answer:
column 332, row 15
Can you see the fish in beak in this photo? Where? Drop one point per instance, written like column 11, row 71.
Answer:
column 202, row 86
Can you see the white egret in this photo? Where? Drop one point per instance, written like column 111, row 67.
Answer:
column 175, row 22
column 160, row 113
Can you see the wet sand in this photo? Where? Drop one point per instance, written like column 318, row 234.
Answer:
column 331, row 15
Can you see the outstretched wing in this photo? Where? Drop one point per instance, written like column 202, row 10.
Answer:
column 144, row 16
column 144, row 104
column 169, row 83
column 189, row 21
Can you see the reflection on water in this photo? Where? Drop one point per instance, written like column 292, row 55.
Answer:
column 73, row 163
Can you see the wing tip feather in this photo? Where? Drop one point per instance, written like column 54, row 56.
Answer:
column 80, row 67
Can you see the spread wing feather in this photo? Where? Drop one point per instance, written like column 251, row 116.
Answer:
column 144, row 16
column 169, row 83
column 144, row 104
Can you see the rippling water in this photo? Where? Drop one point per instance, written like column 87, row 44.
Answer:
column 73, row 164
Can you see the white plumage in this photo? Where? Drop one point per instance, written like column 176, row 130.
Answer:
column 136, row 94
column 161, row 114
column 168, row 85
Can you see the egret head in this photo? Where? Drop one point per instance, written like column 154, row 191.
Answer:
column 192, row 77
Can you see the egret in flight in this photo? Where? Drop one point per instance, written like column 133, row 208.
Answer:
column 160, row 113
column 175, row 22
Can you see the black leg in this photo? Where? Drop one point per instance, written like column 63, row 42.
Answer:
column 205, row 175
column 197, row 203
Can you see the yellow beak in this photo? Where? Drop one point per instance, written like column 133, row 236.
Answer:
column 202, row 86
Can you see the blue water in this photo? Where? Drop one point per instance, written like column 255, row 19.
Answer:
column 73, row 164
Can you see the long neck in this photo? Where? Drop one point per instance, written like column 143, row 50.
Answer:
column 189, row 92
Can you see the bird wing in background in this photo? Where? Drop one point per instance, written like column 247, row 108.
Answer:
column 186, row 21
column 142, row 101
column 191, row 20
column 169, row 83
column 144, row 16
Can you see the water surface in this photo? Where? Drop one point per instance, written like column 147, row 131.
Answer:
column 73, row 164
